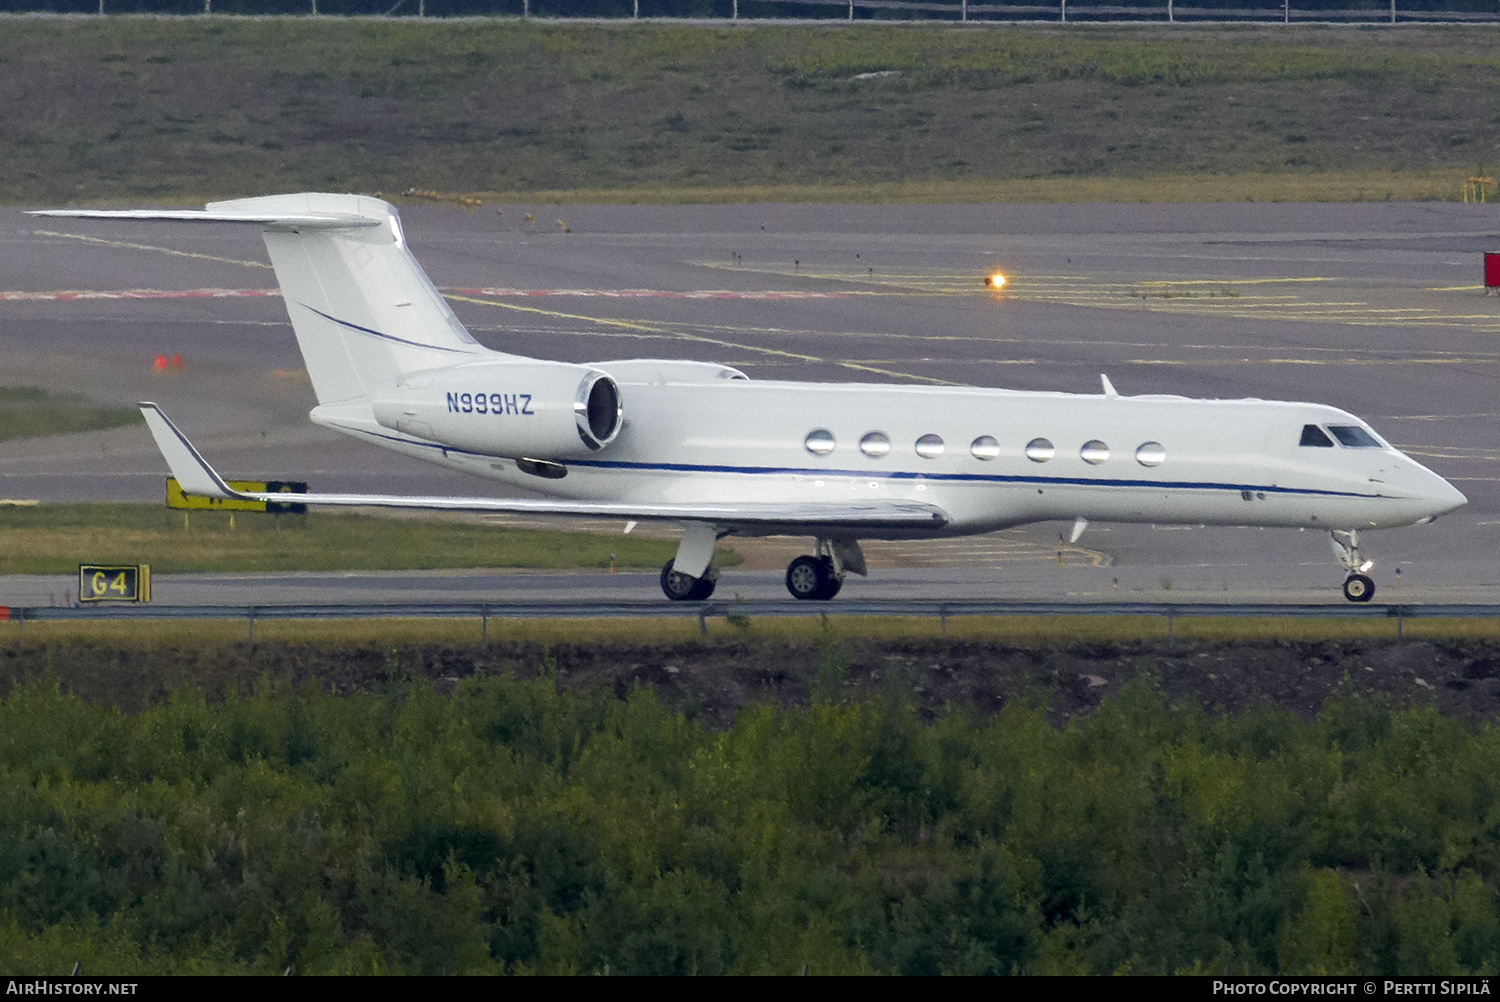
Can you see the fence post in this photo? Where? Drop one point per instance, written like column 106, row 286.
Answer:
column 251, row 613
column 703, row 622
column 1169, row 12
column 943, row 619
column 1171, row 634
column 484, row 623
column 1064, row 11
column 964, row 11
column 1393, row 11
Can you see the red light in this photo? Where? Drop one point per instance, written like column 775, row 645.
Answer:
column 160, row 363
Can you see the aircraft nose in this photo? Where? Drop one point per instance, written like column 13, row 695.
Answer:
column 1442, row 495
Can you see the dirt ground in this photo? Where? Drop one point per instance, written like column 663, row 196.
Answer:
column 711, row 681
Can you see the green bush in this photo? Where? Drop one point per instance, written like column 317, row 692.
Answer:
column 515, row 827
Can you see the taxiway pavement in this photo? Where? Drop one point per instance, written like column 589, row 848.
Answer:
column 1377, row 308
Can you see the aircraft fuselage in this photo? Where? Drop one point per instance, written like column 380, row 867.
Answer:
column 989, row 458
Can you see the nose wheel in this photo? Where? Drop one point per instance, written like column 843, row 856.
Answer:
column 1358, row 586
column 682, row 588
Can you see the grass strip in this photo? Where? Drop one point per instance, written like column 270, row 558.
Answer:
column 228, row 106
column 1021, row 631
column 1333, row 186
column 56, row 538
column 32, row 412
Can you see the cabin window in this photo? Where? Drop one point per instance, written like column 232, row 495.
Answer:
column 1313, row 435
column 1094, row 452
column 1150, row 454
column 1352, row 436
column 984, row 447
column 819, row 442
column 930, row 446
column 875, row 444
column 1039, row 450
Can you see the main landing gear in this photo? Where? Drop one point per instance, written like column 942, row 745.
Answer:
column 682, row 588
column 813, row 578
column 819, row 577
column 1358, row 587
column 816, row 577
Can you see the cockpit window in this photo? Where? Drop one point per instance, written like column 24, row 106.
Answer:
column 1353, row 436
column 1313, row 435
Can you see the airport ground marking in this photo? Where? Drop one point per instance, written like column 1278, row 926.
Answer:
column 72, row 295
column 1091, row 291
column 150, row 247
column 684, row 336
column 763, row 294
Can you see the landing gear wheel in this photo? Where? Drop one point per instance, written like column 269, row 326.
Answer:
column 812, row 579
column 682, row 588
column 1359, row 588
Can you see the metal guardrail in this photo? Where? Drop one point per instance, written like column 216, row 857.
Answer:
column 1061, row 11
column 704, row 611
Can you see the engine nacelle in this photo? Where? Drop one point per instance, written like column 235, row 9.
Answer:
column 541, row 410
column 668, row 370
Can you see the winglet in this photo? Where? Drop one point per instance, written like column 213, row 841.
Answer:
column 191, row 470
column 1109, row 388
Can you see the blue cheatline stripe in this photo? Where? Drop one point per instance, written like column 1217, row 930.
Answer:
column 387, row 337
column 979, row 478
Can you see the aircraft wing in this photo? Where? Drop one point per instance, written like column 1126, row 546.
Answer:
column 198, row 478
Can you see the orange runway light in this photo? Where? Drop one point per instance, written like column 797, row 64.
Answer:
column 994, row 281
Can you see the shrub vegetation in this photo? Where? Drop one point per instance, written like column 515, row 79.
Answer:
column 515, row 827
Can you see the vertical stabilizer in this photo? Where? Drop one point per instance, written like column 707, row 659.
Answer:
column 363, row 310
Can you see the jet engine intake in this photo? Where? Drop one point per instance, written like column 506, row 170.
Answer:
column 551, row 410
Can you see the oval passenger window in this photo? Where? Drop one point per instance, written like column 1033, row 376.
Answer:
column 819, row 442
column 985, row 447
column 930, row 446
column 1039, row 450
column 1094, row 452
column 1150, row 454
column 875, row 444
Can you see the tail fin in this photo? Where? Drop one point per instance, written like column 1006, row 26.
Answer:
column 363, row 310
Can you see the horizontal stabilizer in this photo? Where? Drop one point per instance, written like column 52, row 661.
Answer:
column 197, row 477
column 280, row 220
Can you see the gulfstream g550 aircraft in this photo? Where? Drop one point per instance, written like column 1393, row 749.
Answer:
column 703, row 446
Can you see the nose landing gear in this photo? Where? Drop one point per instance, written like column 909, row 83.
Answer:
column 1358, row 586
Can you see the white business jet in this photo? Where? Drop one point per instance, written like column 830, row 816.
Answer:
column 701, row 445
